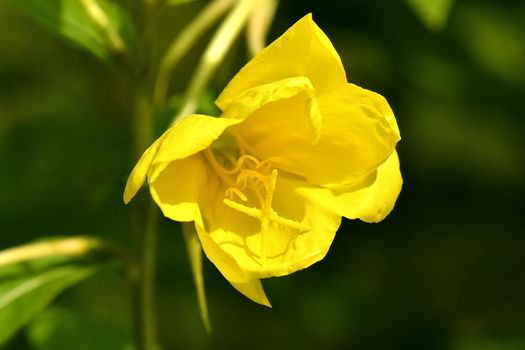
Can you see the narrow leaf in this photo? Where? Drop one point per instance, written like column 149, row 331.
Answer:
column 44, row 248
column 195, row 254
column 23, row 297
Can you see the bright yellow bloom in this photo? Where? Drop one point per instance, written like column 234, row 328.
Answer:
column 295, row 149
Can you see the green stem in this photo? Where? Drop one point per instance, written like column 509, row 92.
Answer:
column 148, row 262
column 145, row 238
column 145, row 223
column 145, row 215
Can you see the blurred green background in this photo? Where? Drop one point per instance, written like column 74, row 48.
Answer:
column 446, row 270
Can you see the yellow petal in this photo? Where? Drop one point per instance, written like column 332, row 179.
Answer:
column 188, row 136
column 371, row 203
column 180, row 187
column 253, row 289
column 358, row 133
column 140, row 171
column 238, row 277
column 226, row 264
column 299, row 236
column 296, row 91
column 303, row 50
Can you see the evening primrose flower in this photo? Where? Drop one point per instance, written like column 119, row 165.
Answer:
column 296, row 148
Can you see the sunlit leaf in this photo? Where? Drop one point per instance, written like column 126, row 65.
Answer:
column 60, row 328
column 433, row 13
column 24, row 296
column 69, row 19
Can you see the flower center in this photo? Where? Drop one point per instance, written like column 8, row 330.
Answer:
column 251, row 190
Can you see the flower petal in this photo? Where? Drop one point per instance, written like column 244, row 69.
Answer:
column 240, row 279
column 358, row 133
column 297, row 238
column 140, row 171
column 371, row 203
column 178, row 188
column 253, row 289
column 226, row 264
column 296, row 91
column 303, row 50
column 188, row 136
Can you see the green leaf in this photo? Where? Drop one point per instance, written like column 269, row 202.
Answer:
column 178, row 2
column 60, row 328
column 433, row 13
column 23, row 297
column 70, row 20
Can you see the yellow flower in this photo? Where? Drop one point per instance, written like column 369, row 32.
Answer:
column 295, row 149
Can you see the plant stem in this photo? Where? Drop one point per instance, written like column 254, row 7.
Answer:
column 148, row 262
column 145, row 238
column 144, row 213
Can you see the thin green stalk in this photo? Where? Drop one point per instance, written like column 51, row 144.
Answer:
column 183, row 42
column 145, row 215
column 215, row 53
column 145, row 235
column 148, row 263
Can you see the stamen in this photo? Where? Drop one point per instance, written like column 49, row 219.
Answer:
column 235, row 191
column 250, row 211
column 240, row 162
column 255, row 176
column 219, row 170
column 246, row 175
column 289, row 223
